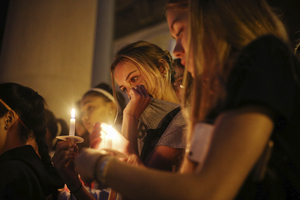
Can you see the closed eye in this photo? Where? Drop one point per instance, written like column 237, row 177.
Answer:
column 179, row 32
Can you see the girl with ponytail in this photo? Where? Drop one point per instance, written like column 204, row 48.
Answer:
column 26, row 170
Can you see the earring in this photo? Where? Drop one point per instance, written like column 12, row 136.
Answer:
column 6, row 127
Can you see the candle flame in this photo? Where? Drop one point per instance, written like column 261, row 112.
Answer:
column 73, row 113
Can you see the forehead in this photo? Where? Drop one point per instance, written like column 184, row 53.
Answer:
column 176, row 16
column 91, row 99
column 123, row 69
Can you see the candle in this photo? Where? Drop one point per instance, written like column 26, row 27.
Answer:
column 72, row 123
column 107, row 137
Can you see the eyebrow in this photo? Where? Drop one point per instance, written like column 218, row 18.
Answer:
column 128, row 77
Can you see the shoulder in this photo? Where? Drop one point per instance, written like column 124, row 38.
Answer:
column 13, row 169
column 267, row 42
column 265, row 49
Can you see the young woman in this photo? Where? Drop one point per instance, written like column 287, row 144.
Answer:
column 150, row 120
column 141, row 69
column 246, row 84
column 98, row 105
column 26, row 171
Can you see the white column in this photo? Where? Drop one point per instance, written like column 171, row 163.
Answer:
column 103, row 52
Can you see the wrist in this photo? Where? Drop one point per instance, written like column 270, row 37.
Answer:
column 75, row 186
column 101, row 169
column 130, row 117
column 77, row 190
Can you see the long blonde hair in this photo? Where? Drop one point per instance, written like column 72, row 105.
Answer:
column 218, row 31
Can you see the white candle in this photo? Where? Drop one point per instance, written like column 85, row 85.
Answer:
column 72, row 123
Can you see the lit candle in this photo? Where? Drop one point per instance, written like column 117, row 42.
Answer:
column 72, row 123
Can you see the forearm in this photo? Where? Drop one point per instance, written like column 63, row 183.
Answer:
column 129, row 130
column 141, row 183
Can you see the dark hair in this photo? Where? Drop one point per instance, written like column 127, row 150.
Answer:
column 53, row 124
column 176, row 63
column 30, row 107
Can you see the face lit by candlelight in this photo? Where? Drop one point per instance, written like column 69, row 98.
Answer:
column 95, row 109
column 127, row 76
column 178, row 25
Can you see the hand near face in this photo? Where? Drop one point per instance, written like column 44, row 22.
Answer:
column 139, row 101
column 95, row 136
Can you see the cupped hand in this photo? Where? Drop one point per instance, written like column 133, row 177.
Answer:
column 139, row 101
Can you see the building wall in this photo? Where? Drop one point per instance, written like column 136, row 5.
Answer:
column 48, row 46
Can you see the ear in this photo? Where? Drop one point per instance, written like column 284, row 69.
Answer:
column 10, row 119
column 112, row 107
column 163, row 68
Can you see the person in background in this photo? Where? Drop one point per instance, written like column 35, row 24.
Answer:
column 55, row 127
column 246, row 87
column 178, row 77
column 98, row 105
column 26, row 171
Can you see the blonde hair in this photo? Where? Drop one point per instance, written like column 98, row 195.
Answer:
column 218, row 31
column 148, row 58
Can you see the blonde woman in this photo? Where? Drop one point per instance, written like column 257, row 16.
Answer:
column 246, row 86
column 152, row 120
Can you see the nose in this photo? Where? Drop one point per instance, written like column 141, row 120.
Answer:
column 178, row 50
column 84, row 117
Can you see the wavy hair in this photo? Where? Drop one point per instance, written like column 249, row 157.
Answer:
column 147, row 57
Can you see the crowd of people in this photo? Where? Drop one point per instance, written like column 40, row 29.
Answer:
column 218, row 122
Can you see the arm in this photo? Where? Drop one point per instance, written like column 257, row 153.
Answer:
column 63, row 162
column 239, row 139
column 163, row 158
column 139, row 101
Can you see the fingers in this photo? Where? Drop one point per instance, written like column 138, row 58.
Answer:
column 95, row 136
column 140, row 93
column 63, row 154
column 141, row 90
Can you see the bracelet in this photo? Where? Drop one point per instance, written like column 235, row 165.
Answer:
column 77, row 188
column 102, row 169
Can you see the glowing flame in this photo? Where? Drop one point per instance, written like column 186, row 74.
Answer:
column 73, row 113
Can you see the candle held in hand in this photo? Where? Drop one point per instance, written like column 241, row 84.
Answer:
column 72, row 123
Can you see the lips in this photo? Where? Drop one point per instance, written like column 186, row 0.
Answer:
column 183, row 62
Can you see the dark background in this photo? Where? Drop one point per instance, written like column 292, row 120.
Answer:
column 134, row 15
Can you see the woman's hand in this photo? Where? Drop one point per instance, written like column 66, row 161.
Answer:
column 63, row 161
column 85, row 164
column 134, row 160
column 139, row 101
